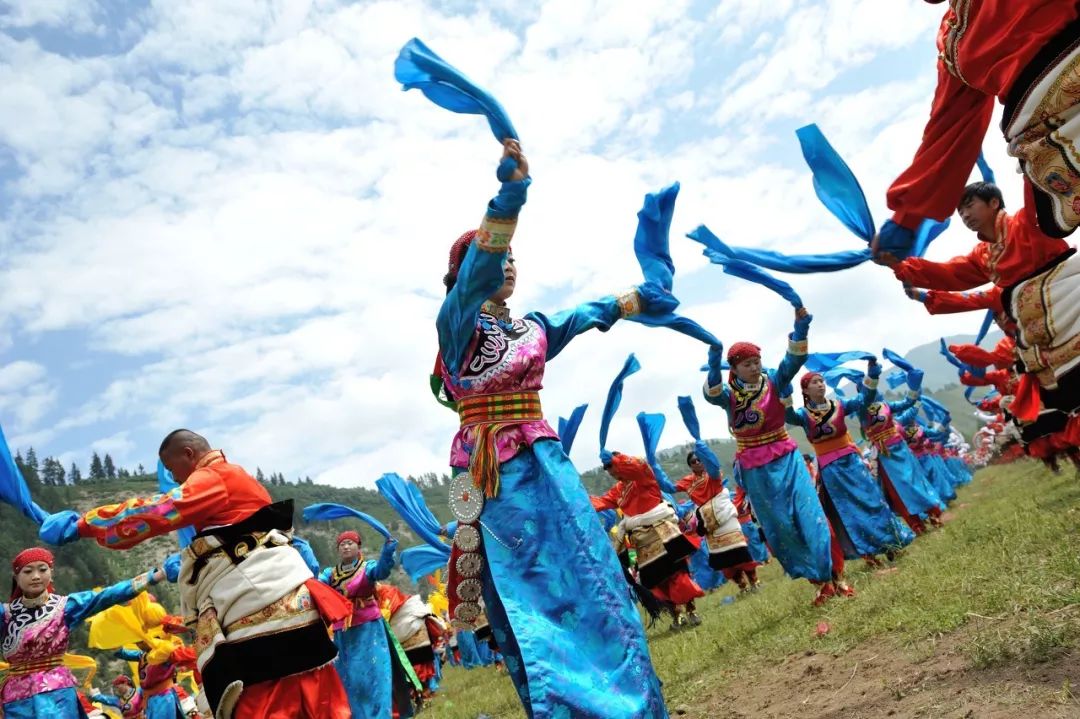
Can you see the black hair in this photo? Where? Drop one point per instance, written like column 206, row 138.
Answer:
column 690, row 457
column 984, row 191
column 186, row 436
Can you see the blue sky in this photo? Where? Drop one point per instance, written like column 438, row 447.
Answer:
column 226, row 215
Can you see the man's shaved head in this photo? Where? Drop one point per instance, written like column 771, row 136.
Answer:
column 184, row 438
column 181, row 451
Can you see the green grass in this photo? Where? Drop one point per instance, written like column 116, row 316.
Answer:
column 1005, row 570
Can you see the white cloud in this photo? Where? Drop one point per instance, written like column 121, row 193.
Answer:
column 247, row 215
column 74, row 15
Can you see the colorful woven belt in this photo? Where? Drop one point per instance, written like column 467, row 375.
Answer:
column 882, row 438
column 762, row 439
column 489, row 413
column 35, row 666
column 832, row 444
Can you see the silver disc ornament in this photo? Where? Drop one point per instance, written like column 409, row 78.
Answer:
column 469, row 565
column 467, row 613
column 468, row 590
column 466, row 501
column 467, row 538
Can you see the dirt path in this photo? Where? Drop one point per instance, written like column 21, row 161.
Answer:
column 886, row 681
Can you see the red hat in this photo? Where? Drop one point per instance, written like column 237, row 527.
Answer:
column 742, row 351
column 31, row 555
column 348, row 534
column 809, row 377
column 121, row 679
column 457, row 256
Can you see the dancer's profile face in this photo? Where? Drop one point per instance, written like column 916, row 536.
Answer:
column 34, row 578
column 509, row 281
column 749, row 370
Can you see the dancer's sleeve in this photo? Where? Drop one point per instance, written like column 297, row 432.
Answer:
column 716, row 389
column 107, row 699
column 794, row 416
column 123, row 525
column 960, row 273
column 794, row 359
column 564, row 326
column 901, row 406
column 81, row 605
column 951, row 142
column 907, row 414
column 128, row 655
column 480, row 275
column 607, row 500
column 709, row 459
column 380, row 569
column 942, row 302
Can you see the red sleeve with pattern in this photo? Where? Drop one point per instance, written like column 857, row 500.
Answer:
column 934, row 182
column 943, row 302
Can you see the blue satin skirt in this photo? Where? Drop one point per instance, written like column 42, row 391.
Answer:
column 939, row 477
column 790, row 513
column 758, row 551
column 365, row 665
column 865, row 516
column 706, row 577
column 909, row 480
column 47, row 705
column 556, row 599
column 959, row 469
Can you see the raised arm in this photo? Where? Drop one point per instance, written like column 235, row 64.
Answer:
column 795, row 416
column 932, row 185
column 128, row 655
column 867, row 392
column 609, row 499
column 960, row 273
column 716, row 390
column 795, row 357
column 481, row 271
column 81, row 605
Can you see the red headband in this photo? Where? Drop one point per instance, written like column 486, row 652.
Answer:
column 121, row 679
column 742, row 351
column 348, row 534
column 457, row 256
column 808, row 378
column 31, row 555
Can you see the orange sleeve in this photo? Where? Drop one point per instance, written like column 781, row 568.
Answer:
column 932, row 185
column 943, row 302
column 204, row 496
column 959, row 273
column 608, row 500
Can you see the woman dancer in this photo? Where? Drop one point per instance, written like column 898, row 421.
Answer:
column 34, row 632
column 771, row 469
column 540, row 536
column 860, row 517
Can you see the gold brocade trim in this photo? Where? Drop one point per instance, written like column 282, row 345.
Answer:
column 504, row 407
column 649, row 541
column 958, row 26
column 798, row 347
column 629, row 303
column 34, row 666
column 714, row 390
column 725, row 541
column 870, row 382
column 762, row 439
column 495, row 233
column 292, row 603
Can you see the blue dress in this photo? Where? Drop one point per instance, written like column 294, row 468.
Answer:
column 163, row 705
column 771, row 470
column 901, row 469
column 368, row 662
column 861, row 518
column 554, row 592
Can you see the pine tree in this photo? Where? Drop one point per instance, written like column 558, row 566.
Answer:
column 140, row 470
column 97, row 470
column 259, row 475
column 110, row 468
column 30, row 468
column 75, row 474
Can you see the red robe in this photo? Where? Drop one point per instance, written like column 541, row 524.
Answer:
column 983, row 47
column 701, row 488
